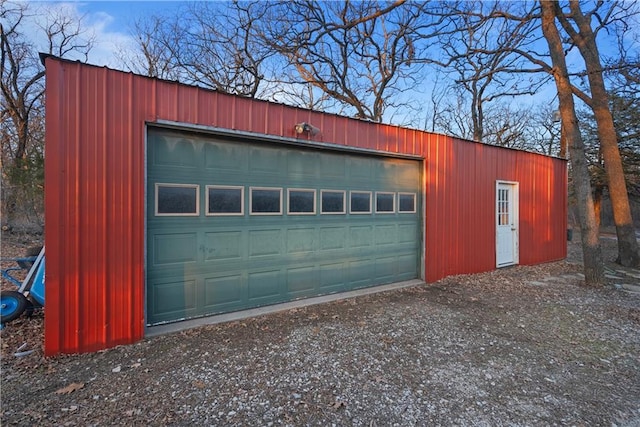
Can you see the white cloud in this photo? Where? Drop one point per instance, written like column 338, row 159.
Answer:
column 107, row 44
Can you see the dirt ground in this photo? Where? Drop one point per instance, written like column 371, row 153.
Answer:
column 522, row 346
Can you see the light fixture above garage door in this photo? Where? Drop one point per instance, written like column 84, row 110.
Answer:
column 304, row 127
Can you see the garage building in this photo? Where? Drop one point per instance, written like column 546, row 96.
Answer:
column 167, row 202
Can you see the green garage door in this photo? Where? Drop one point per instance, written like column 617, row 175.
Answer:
column 234, row 224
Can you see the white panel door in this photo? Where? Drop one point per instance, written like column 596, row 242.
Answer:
column 506, row 224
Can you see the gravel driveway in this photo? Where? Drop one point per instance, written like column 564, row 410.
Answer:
column 521, row 346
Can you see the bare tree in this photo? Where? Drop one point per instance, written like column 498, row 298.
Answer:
column 626, row 67
column 481, row 52
column 543, row 130
column 507, row 126
column 151, row 58
column 450, row 118
column 623, row 71
column 594, row 268
column 503, row 124
column 593, row 265
column 625, row 109
column 362, row 54
column 22, row 89
column 593, row 152
column 626, row 112
column 303, row 95
column 208, row 44
column 433, row 107
column 577, row 25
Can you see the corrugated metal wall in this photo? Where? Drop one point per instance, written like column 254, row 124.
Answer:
column 95, row 192
column 460, row 204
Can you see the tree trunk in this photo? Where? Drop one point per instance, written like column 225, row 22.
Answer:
column 628, row 254
column 476, row 119
column 597, row 204
column 563, row 143
column 592, row 255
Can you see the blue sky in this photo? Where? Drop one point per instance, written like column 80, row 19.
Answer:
column 109, row 21
column 112, row 21
column 126, row 12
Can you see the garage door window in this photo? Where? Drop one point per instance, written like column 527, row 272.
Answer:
column 332, row 201
column 301, row 201
column 266, row 201
column 177, row 200
column 407, row 202
column 385, row 202
column 225, row 200
column 360, row 202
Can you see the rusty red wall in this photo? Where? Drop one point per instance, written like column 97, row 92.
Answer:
column 95, row 192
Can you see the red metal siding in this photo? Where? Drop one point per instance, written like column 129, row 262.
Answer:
column 460, row 206
column 95, row 194
column 94, row 210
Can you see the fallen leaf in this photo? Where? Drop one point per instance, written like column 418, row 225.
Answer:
column 199, row 384
column 338, row 404
column 70, row 388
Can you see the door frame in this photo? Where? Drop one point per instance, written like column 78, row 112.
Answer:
column 515, row 208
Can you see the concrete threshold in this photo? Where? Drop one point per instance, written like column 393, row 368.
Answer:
column 152, row 331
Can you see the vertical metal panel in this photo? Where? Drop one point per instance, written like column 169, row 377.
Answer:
column 187, row 104
column 95, row 192
column 460, row 206
column 94, row 209
column 334, row 130
column 53, row 171
column 543, row 213
column 242, row 108
column 166, row 105
column 275, row 127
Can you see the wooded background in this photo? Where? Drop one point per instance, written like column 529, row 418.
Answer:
column 557, row 77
